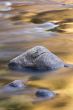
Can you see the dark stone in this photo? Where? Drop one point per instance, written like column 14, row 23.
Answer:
column 43, row 93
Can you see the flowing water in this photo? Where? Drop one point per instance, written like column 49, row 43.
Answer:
column 25, row 24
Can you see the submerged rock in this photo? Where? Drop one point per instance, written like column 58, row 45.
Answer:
column 17, row 87
column 17, row 84
column 43, row 93
column 48, row 25
column 12, row 87
column 39, row 58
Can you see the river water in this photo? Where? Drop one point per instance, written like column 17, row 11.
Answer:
column 25, row 24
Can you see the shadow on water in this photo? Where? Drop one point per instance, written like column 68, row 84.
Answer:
column 33, row 71
column 54, row 15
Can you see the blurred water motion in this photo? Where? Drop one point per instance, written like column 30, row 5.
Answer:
column 5, row 6
column 25, row 24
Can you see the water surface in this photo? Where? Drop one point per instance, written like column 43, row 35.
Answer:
column 25, row 24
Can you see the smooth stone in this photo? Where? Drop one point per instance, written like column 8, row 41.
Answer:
column 43, row 93
column 17, row 87
column 14, row 86
column 48, row 25
column 39, row 58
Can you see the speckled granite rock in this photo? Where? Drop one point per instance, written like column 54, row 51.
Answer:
column 38, row 57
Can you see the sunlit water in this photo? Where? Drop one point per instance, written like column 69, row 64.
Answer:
column 25, row 24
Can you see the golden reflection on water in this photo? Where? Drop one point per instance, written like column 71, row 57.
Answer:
column 19, row 31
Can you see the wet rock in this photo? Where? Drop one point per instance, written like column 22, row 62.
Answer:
column 17, row 84
column 43, row 93
column 13, row 87
column 39, row 58
column 17, row 87
column 48, row 25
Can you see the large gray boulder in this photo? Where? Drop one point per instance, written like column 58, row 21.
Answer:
column 39, row 58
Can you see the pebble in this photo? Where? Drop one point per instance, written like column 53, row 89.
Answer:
column 43, row 93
